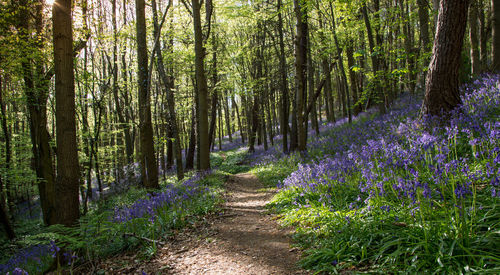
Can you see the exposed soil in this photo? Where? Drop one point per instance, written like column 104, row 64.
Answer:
column 244, row 239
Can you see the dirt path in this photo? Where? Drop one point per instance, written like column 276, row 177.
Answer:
column 243, row 240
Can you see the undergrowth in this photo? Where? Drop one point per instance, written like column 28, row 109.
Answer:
column 396, row 193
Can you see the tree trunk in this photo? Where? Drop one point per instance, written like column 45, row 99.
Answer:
column 423, row 18
column 149, row 168
column 8, row 151
column 228, row 117
column 203, row 137
column 37, row 113
column 240, row 126
column 474, row 39
column 301, row 71
column 192, row 142
column 495, row 44
column 285, row 104
column 68, row 171
column 341, row 65
column 4, row 216
column 168, row 82
column 375, row 60
column 441, row 93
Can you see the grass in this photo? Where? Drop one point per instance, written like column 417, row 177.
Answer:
column 389, row 195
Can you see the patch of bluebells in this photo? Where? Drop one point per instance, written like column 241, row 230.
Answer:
column 171, row 195
column 33, row 255
column 261, row 157
column 399, row 155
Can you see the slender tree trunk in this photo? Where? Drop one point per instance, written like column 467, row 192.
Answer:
column 285, row 104
column 4, row 216
column 423, row 17
column 240, row 126
column 192, row 142
column 441, row 93
column 8, row 151
column 485, row 35
column 147, row 156
column 375, row 60
column 301, row 71
column 341, row 65
column 474, row 39
column 68, row 171
column 168, row 82
column 228, row 117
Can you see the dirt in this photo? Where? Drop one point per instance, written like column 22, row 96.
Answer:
column 244, row 239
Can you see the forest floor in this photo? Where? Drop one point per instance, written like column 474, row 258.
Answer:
column 242, row 239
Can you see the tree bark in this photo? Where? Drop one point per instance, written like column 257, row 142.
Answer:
column 474, row 39
column 375, row 59
column 149, row 168
column 301, row 71
column 202, row 89
column 285, row 104
column 68, row 171
column 495, row 44
column 441, row 93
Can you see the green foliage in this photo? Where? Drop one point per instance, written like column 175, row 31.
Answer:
column 231, row 162
column 271, row 174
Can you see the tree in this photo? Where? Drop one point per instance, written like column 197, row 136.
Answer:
column 495, row 7
column 285, row 105
column 168, row 82
column 149, row 168
column 68, row 171
column 441, row 92
column 202, row 89
column 301, row 71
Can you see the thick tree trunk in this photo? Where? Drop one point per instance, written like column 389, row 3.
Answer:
column 423, row 17
column 147, row 156
column 441, row 93
column 495, row 44
column 203, row 137
column 68, row 171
